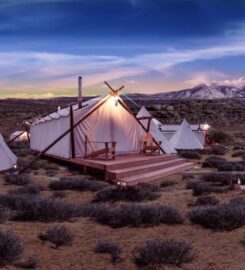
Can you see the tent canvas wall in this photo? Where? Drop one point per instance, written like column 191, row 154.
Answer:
column 154, row 130
column 184, row 138
column 107, row 123
column 7, row 158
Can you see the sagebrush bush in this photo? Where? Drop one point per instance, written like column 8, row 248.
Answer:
column 226, row 216
column 137, row 215
column 58, row 235
column 78, row 184
column 30, row 189
column 139, row 193
column 11, row 247
column 109, row 247
column 191, row 154
column 5, row 214
column 213, row 162
column 35, row 207
column 160, row 252
column 17, row 179
column 206, row 200
column 217, row 150
column 31, row 262
column 238, row 166
column 200, row 188
column 218, row 136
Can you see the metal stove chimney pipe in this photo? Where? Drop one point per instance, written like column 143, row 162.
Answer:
column 80, row 98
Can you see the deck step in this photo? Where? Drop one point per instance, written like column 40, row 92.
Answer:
column 130, row 171
column 145, row 160
column 157, row 174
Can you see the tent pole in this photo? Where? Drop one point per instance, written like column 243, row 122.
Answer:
column 63, row 135
column 27, row 132
column 72, row 133
column 125, row 106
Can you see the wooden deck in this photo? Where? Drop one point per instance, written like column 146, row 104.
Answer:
column 133, row 169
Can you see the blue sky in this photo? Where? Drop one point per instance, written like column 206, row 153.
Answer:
column 148, row 45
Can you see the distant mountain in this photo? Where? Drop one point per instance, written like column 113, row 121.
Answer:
column 202, row 91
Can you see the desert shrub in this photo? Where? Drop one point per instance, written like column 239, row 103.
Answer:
column 217, row 150
column 167, row 183
column 200, row 188
column 139, row 193
column 5, row 214
column 78, row 184
column 136, row 215
column 191, row 154
column 231, row 166
column 157, row 253
column 11, row 247
column 225, row 178
column 109, row 247
column 218, row 136
column 226, row 216
column 213, row 162
column 17, row 179
column 35, row 207
column 59, row 194
column 206, row 200
column 238, row 200
column 238, row 153
column 31, row 262
column 58, row 235
column 30, row 189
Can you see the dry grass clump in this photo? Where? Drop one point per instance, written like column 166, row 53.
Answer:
column 78, row 183
column 227, row 216
column 58, row 235
column 109, row 247
column 137, row 194
column 17, row 179
column 157, row 253
column 11, row 247
column 135, row 215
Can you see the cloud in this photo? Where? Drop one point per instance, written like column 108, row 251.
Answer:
column 53, row 71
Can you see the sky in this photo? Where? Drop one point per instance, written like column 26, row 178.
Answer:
column 149, row 46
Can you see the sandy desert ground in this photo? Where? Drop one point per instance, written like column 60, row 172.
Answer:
column 216, row 250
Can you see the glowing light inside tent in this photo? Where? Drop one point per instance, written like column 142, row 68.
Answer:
column 206, row 126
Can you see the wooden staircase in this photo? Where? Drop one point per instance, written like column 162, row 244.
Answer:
column 137, row 171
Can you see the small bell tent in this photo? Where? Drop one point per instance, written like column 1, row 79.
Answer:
column 185, row 139
column 7, row 158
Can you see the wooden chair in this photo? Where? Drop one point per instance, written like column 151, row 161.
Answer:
column 148, row 146
column 108, row 151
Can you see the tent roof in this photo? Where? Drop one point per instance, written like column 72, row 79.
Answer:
column 154, row 130
column 185, row 138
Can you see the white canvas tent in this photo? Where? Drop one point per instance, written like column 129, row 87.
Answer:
column 154, row 130
column 105, row 119
column 18, row 136
column 7, row 158
column 184, row 138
